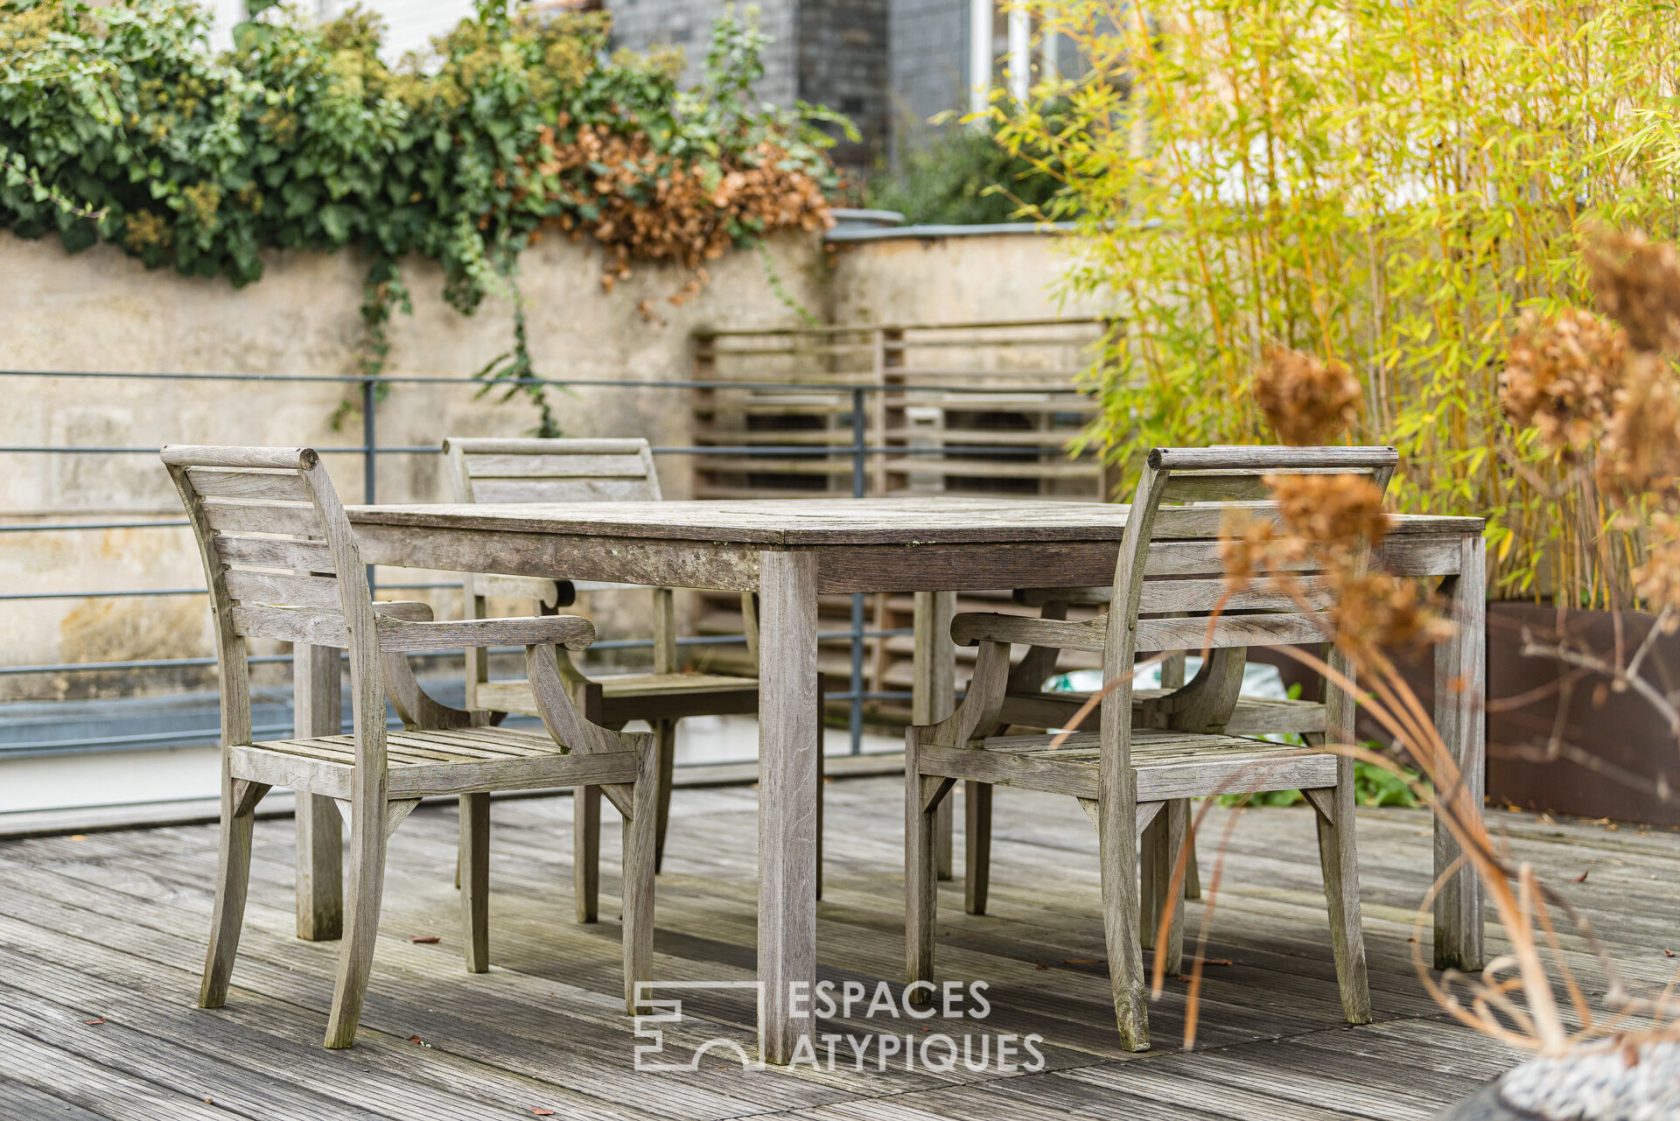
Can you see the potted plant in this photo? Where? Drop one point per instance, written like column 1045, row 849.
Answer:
column 1601, row 391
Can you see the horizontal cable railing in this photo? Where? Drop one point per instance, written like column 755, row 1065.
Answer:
column 852, row 445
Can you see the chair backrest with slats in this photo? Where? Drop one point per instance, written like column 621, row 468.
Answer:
column 1170, row 591
column 567, row 470
column 281, row 562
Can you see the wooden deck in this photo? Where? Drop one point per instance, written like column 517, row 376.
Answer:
column 102, row 936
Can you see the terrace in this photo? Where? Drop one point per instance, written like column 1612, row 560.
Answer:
column 101, row 941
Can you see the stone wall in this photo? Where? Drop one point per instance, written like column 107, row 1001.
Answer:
column 101, row 311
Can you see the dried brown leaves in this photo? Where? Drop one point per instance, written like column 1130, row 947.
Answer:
column 1561, row 376
column 1606, row 391
column 654, row 207
column 1636, row 282
column 1330, row 522
column 1305, row 399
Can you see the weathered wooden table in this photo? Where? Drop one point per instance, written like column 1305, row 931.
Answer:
column 790, row 551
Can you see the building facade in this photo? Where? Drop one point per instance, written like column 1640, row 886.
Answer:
column 889, row 65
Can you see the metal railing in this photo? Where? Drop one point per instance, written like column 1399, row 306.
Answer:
column 369, row 392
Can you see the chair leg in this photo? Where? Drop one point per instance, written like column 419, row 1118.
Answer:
column 821, row 794
column 665, row 737
column 641, row 840
column 361, row 923
column 1175, row 827
column 977, row 846
column 1151, row 859
column 1339, row 858
column 944, row 836
column 1192, row 872
column 586, row 852
column 474, row 863
column 920, row 871
column 233, row 880
column 1118, row 841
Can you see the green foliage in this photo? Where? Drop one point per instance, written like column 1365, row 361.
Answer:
column 964, row 177
column 1390, row 184
column 118, row 124
column 1372, row 786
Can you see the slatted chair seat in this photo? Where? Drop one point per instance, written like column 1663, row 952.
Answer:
column 1167, row 764
column 428, row 763
column 1252, row 716
column 281, row 563
column 626, row 696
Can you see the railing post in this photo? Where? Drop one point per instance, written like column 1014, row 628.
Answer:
column 370, row 452
column 860, row 461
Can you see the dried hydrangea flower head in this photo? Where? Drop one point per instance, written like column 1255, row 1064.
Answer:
column 1329, row 522
column 1636, row 282
column 1640, row 454
column 1306, row 400
column 1561, row 376
column 1335, row 514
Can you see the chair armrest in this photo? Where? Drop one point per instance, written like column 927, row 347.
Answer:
column 412, row 610
column 574, row 632
column 974, row 627
column 1084, row 597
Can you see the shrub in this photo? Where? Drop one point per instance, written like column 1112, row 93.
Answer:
column 1389, row 186
column 963, row 177
column 118, row 124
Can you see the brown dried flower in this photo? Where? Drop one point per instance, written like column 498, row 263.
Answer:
column 1636, row 282
column 1306, row 400
column 1641, row 444
column 1326, row 522
column 1338, row 513
column 1561, row 377
column 1376, row 610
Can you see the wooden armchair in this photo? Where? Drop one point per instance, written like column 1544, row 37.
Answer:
column 1169, row 594
column 281, row 562
column 1027, row 705
column 621, row 470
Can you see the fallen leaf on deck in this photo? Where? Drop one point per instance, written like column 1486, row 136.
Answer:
column 95, row 1022
column 417, row 1041
column 539, row 1111
column 1079, row 961
column 1217, row 961
column 1667, row 953
column 424, row 939
column 1582, row 878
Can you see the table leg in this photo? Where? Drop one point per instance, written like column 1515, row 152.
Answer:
column 933, row 696
column 787, row 800
column 1460, row 685
column 318, row 708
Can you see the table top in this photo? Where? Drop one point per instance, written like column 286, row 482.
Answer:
column 792, row 522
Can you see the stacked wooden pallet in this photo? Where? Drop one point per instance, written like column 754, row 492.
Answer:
column 955, row 408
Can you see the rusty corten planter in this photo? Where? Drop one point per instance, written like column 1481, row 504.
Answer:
column 1633, row 773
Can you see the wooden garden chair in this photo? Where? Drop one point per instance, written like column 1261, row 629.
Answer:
column 282, row 563
column 572, row 470
column 1027, row 705
column 1144, row 763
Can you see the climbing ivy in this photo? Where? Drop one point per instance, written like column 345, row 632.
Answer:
column 119, row 124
